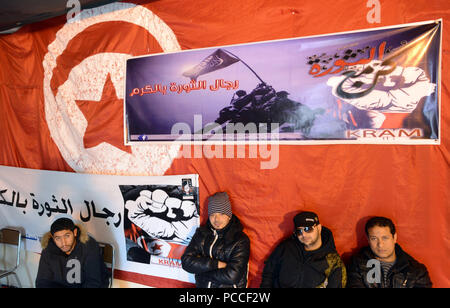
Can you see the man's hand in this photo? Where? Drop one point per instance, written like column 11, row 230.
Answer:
column 222, row 264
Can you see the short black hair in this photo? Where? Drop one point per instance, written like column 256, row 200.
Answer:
column 62, row 224
column 380, row 222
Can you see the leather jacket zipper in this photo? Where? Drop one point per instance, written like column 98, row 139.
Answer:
column 216, row 236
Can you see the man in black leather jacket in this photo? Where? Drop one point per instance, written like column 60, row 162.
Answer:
column 384, row 264
column 218, row 253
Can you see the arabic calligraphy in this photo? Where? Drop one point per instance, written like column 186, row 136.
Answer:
column 368, row 68
column 106, row 213
column 341, row 64
column 186, row 88
column 378, row 69
column 56, row 205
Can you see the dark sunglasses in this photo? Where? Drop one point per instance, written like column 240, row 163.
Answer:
column 299, row 232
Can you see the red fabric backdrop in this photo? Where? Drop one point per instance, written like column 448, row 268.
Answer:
column 344, row 184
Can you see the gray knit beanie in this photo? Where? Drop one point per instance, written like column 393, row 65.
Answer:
column 219, row 203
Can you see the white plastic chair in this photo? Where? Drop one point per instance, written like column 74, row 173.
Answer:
column 10, row 237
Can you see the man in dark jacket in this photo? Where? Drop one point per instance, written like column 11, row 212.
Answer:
column 307, row 259
column 70, row 259
column 218, row 253
column 384, row 264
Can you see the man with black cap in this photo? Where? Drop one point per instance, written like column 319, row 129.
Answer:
column 218, row 253
column 70, row 258
column 307, row 259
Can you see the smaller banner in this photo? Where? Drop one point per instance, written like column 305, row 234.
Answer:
column 368, row 86
column 148, row 219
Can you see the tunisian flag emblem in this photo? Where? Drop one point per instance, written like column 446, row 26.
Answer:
column 84, row 71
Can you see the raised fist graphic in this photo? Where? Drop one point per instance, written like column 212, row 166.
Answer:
column 163, row 217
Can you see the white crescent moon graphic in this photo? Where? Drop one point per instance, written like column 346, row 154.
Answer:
column 66, row 122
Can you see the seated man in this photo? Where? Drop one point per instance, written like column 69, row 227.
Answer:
column 307, row 259
column 383, row 264
column 218, row 253
column 70, row 259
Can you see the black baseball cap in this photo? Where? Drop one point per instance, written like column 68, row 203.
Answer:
column 305, row 219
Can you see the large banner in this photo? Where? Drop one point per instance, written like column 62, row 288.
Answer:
column 373, row 86
column 149, row 220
